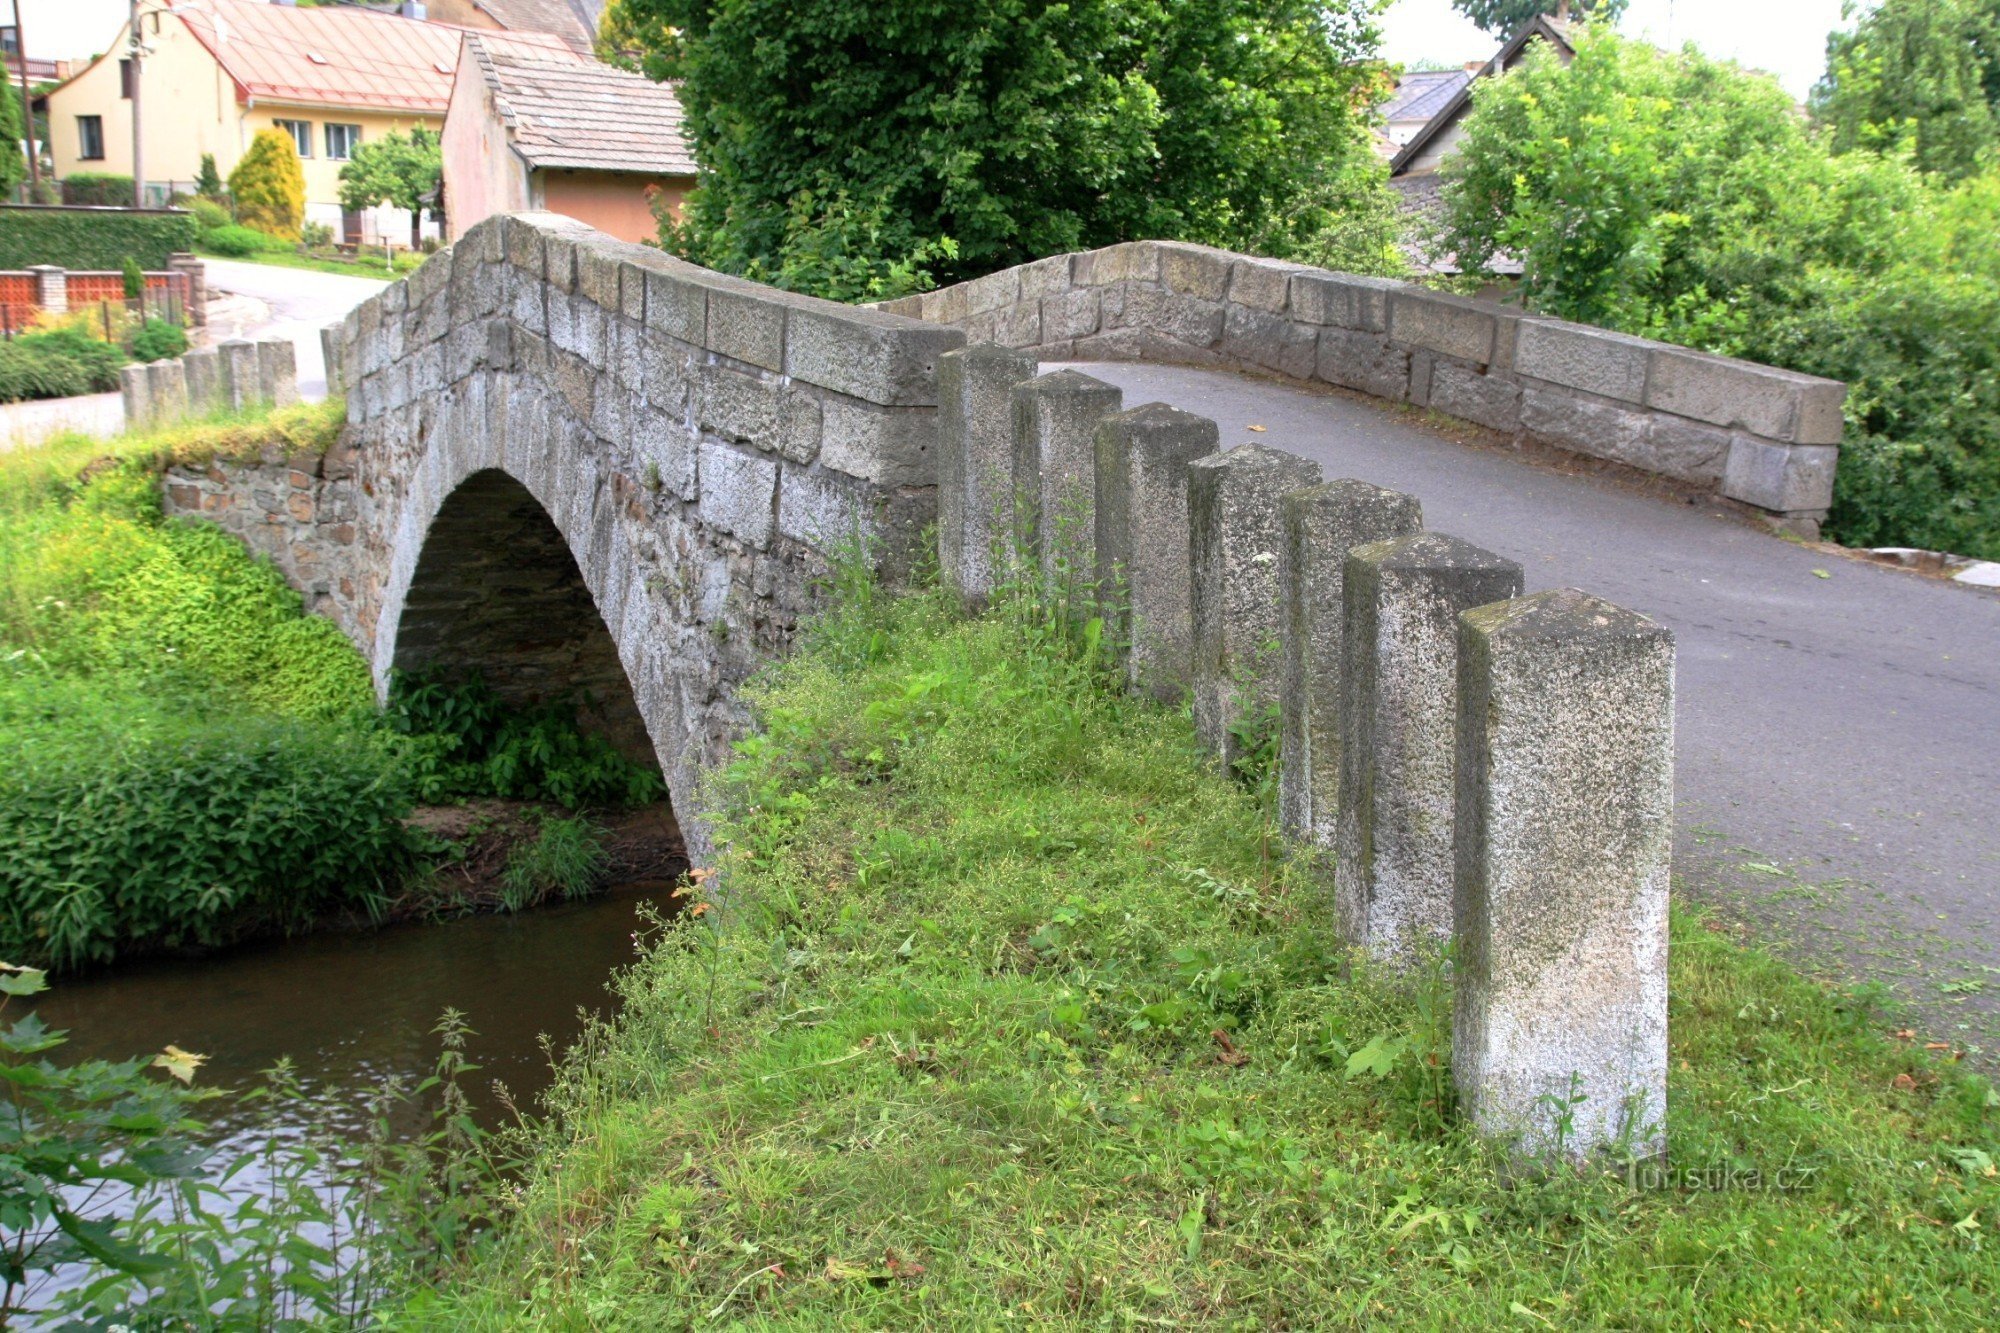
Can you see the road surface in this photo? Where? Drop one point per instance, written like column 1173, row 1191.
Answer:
column 1838, row 749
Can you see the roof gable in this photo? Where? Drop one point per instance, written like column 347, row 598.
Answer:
column 565, row 111
column 1539, row 28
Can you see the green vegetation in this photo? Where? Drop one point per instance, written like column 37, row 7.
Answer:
column 98, row 189
column 157, row 340
column 1002, row 1006
column 566, row 860
column 186, row 758
column 239, row 242
column 859, row 151
column 1917, row 77
column 398, row 169
column 57, row 364
column 1502, row 17
column 1679, row 198
column 79, row 240
column 268, row 185
column 366, row 263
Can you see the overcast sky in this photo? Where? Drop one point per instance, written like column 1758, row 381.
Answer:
column 1785, row 37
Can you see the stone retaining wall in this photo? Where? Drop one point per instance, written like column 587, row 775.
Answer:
column 234, row 376
column 1468, row 764
column 1764, row 437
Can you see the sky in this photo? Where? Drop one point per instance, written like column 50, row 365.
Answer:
column 1785, row 37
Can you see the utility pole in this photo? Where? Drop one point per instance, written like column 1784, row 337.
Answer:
column 27, row 110
column 138, row 152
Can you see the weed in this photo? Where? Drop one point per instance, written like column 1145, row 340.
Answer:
column 566, row 859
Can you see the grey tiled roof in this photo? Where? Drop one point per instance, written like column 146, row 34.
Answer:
column 583, row 114
column 575, row 21
column 1423, row 93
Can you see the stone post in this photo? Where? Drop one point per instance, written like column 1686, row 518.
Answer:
column 166, row 386
column 135, row 387
column 278, row 372
column 1399, row 727
column 1321, row 524
column 1141, row 515
column 194, row 286
column 51, row 288
column 240, row 374
column 1235, row 531
column 331, row 339
column 1055, row 462
column 976, row 464
column 202, row 369
column 1565, row 828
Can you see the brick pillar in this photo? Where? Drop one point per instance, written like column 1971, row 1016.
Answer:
column 1055, row 465
column 976, row 481
column 1321, row 524
column 1399, row 727
column 194, row 286
column 1235, row 532
column 1141, row 520
column 1565, row 828
column 51, row 288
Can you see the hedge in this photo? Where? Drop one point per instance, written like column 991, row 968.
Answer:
column 97, row 189
column 91, row 238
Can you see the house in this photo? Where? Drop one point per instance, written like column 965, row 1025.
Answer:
column 1420, row 94
column 574, row 21
column 532, row 126
column 1427, row 148
column 217, row 72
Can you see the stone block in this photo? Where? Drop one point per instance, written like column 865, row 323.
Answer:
column 800, row 424
column 135, row 389
column 240, row 374
column 1235, row 529
column 738, row 406
column 947, row 305
column 677, row 302
column 1452, row 325
column 746, row 322
column 1044, row 278
column 1194, row 270
column 739, row 492
column 667, row 374
column 1343, row 300
column 167, row 391
column 1783, row 478
column 202, row 369
column 1492, row 400
column 632, row 288
column 1115, row 345
column 278, row 372
column 890, row 446
column 1564, row 814
column 1142, row 539
column 1320, row 525
column 995, row 291
column 664, row 454
column 597, row 278
column 1055, row 464
column 1128, row 261
column 329, row 355
column 1364, row 362
column 1270, row 341
column 1611, row 365
column 1020, row 325
column 824, row 510
column 1777, row 404
column 867, row 354
column 1568, row 420
column 1069, row 316
column 1687, row 450
column 975, row 464
column 1398, row 736
column 521, row 241
column 1262, row 284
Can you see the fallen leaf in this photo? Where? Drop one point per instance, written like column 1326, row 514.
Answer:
column 181, row 1064
column 1903, row 1083
column 1821, row 574
column 1905, row 1034
column 1230, row 1055
column 1258, row 429
column 902, row 1267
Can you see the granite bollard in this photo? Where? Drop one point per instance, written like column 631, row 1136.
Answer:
column 135, row 391
column 976, row 464
column 1321, row 524
column 1564, row 833
column 1055, row 461
column 1235, row 532
column 203, row 370
column 1398, row 735
column 166, row 387
column 241, row 374
column 1141, row 517
column 277, row 372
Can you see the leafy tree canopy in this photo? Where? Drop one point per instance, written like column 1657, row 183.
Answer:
column 1502, row 17
column 912, row 138
column 1917, row 76
column 14, row 169
column 398, row 169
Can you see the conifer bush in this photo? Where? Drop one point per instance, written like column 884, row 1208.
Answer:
column 269, row 185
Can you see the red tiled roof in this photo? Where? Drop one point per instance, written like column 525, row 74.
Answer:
column 335, row 55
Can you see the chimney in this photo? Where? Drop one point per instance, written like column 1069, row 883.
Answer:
column 414, row 9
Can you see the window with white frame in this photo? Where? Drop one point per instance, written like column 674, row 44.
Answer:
column 302, row 135
column 341, row 141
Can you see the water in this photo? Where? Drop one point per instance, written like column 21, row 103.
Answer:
column 354, row 1010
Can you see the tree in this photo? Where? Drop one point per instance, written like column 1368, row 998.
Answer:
column 1503, row 17
column 1917, row 76
column 398, row 169
column 961, row 136
column 207, row 181
column 14, row 169
column 269, row 185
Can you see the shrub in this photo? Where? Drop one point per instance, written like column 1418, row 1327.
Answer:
column 134, row 279
column 269, row 185
column 97, row 189
column 241, row 242
column 208, row 216
column 157, row 340
column 566, row 859
column 77, row 238
column 315, row 235
column 207, row 180
column 57, row 364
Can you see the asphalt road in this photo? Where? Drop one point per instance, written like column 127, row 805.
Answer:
column 1838, row 748
column 299, row 303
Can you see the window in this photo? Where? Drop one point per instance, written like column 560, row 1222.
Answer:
column 341, row 141
column 90, row 138
column 10, row 40
column 302, row 135
column 125, row 79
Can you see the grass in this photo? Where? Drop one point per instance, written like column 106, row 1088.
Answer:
column 364, row 265
column 1002, row 1008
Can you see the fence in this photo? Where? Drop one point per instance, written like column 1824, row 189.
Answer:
column 177, row 294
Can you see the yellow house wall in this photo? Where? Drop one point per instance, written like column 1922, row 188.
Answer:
column 189, row 108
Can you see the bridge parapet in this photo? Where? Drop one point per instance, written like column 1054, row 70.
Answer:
column 1763, row 437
